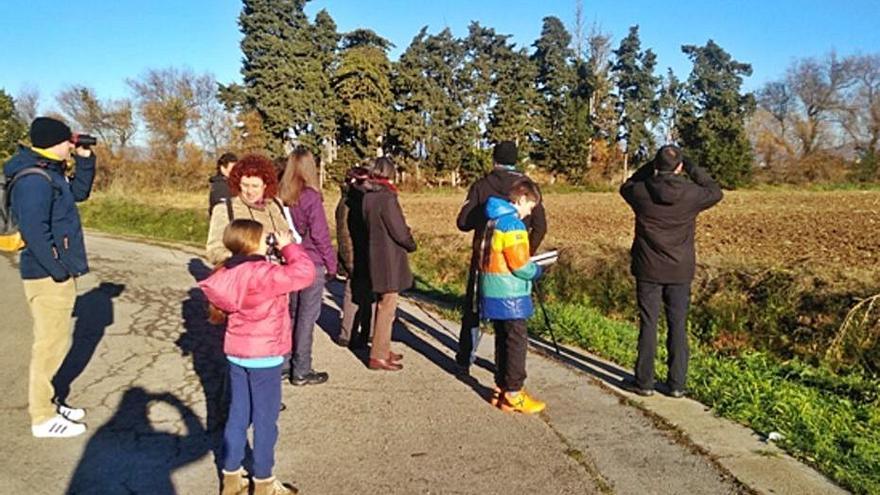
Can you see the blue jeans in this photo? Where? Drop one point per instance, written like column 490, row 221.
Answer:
column 305, row 308
column 256, row 398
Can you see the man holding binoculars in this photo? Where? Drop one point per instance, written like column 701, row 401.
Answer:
column 43, row 203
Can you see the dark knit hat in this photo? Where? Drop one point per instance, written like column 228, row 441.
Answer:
column 47, row 132
column 504, row 153
column 668, row 157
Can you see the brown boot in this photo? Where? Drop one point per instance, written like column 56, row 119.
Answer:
column 234, row 483
column 271, row 486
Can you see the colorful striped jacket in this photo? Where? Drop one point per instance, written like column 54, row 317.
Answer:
column 506, row 273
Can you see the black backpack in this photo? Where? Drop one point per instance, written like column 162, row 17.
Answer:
column 10, row 238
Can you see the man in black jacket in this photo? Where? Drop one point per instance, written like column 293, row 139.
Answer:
column 219, row 187
column 472, row 217
column 666, row 205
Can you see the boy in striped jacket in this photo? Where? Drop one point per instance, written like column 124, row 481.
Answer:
column 506, row 293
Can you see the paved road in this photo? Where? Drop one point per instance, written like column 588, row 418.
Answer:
column 148, row 369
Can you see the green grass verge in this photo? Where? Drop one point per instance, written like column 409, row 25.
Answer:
column 123, row 216
column 831, row 421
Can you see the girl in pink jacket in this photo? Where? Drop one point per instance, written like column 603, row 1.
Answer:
column 253, row 292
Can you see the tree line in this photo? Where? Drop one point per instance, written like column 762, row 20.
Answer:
column 582, row 108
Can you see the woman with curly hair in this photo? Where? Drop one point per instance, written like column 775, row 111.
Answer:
column 253, row 184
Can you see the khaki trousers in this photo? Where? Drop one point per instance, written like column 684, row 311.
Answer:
column 51, row 304
column 386, row 309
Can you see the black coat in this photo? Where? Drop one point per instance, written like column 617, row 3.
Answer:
column 472, row 217
column 352, row 238
column 219, row 191
column 390, row 239
column 666, row 208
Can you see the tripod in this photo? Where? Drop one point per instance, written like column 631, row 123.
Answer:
column 547, row 322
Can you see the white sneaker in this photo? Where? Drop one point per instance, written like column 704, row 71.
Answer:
column 58, row 427
column 71, row 413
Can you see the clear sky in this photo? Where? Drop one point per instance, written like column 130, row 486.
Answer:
column 50, row 44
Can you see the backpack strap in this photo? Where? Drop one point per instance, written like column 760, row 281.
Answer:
column 229, row 213
column 26, row 172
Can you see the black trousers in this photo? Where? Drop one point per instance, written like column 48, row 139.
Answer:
column 470, row 319
column 511, row 345
column 676, row 299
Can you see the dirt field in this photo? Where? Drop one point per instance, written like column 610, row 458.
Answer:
column 838, row 230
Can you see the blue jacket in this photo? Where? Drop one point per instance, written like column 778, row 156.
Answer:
column 47, row 215
column 507, row 271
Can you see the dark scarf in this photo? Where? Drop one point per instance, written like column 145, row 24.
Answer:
column 238, row 259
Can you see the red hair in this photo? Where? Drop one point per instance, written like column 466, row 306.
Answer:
column 254, row 166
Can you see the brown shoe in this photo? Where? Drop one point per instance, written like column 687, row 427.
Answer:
column 384, row 364
column 393, row 356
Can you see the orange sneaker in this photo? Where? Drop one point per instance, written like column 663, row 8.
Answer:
column 521, row 402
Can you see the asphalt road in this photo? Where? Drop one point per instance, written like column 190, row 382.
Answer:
column 149, row 370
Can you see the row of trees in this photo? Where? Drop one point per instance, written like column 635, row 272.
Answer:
column 582, row 108
column 578, row 107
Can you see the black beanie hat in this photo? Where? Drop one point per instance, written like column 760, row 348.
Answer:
column 47, row 132
column 668, row 157
column 504, row 153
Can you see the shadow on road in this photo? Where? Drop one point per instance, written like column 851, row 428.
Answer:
column 204, row 343
column 137, row 450
column 94, row 313
column 329, row 321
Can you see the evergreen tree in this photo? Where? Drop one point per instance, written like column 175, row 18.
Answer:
column 633, row 71
column 712, row 118
column 12, row 129
column 361, row 83
column 670, row 102
column 555, row 83
column 282, row 70
column 325, row 108
column 513, row 116
column 432, row 125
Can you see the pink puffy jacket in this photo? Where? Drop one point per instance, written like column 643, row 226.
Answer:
column 255, row 295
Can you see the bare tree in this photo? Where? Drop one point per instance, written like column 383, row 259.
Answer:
column 777, row 100
column 119, row 121
column 27, row 103
column 81, row 106
column 167, row 100
column 214, row 126
column 859, row 113
column 817, row 86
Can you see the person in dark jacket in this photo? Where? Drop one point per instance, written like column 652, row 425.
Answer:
column 300, row 192
column 219, row 186
column 666, row 205
column 351, row 241
column 44, row 206
column 472, row 217
column 390, row 239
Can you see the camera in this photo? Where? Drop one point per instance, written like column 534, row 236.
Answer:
column 84, row 140
column 272, row 251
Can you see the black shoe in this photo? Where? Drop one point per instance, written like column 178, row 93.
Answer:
column 311, row 378
column 676, row 394
column 633, row 387
column 342, row 342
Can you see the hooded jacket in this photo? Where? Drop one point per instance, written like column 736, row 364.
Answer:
column 666, row 208
column 255, row 295
column 47, row 216
column 507, row 272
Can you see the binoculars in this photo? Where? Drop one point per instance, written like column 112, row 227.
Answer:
column 84, row 140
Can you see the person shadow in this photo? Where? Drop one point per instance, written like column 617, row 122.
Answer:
column 129, row 454
column 203, row 342
column 330, row 318
column 94, row 314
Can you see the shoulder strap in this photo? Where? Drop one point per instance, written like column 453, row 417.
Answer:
column 26, row 172
column 229, row 213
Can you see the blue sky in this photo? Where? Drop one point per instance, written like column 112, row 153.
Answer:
column 50, row 44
